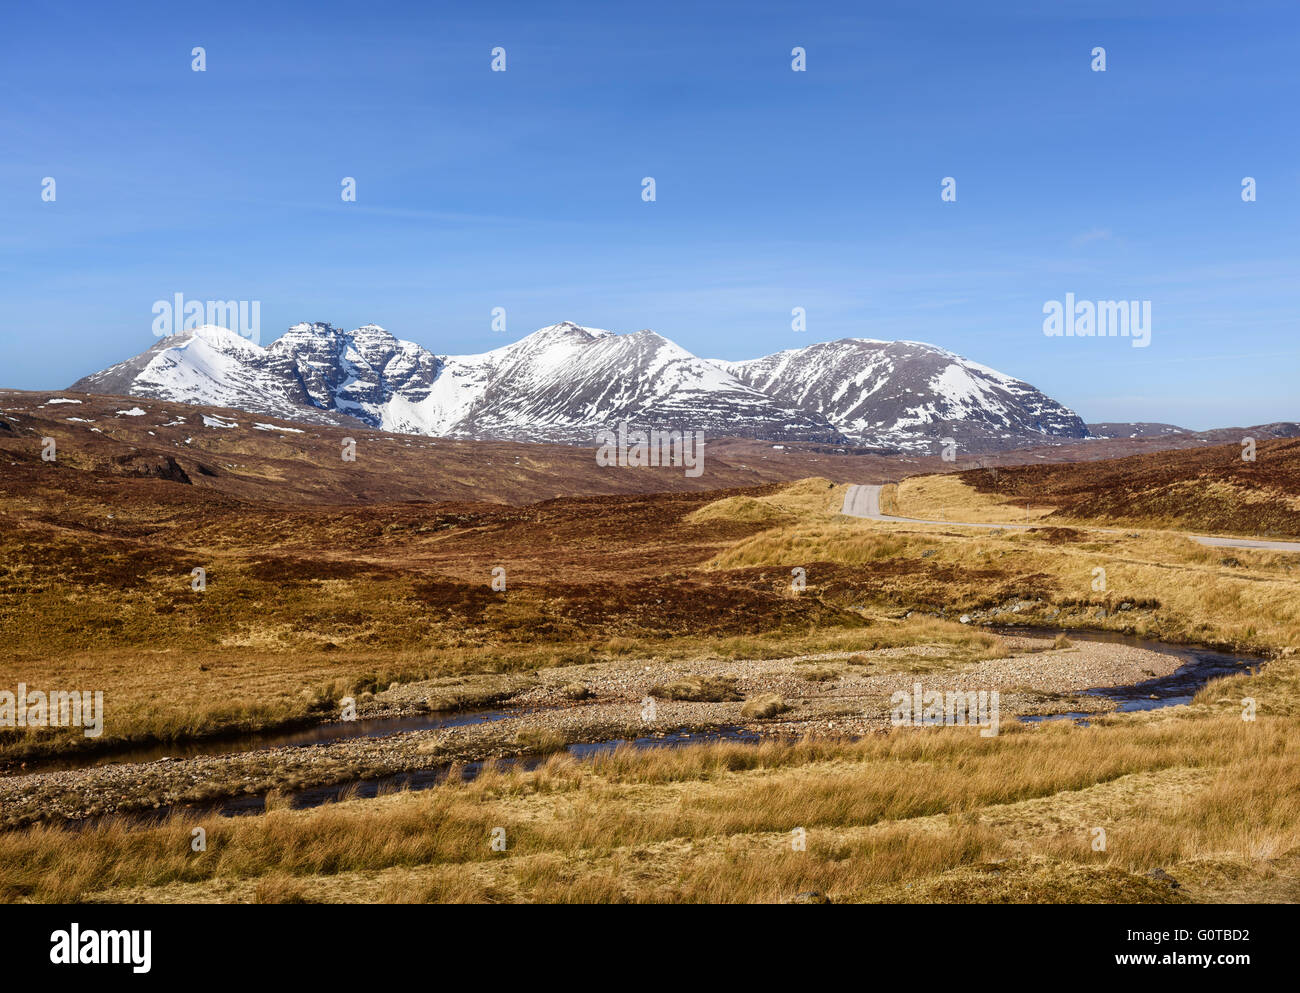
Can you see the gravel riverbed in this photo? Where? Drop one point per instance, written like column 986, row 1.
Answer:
column 837, row 694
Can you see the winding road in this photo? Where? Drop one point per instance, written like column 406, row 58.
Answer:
column 864, row 501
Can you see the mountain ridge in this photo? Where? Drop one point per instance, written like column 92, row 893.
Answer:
column 564, row 381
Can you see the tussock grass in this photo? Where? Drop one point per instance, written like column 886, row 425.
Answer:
column 889, row 500
column 279, row 889
column 819, row 674
column 750, row 510
column 540, row 742
column 764, row 705
column 698, row 689
column 950, row 498
column 808, row 497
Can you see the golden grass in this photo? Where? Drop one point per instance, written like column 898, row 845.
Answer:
column 807, row 496
column 947, row 498
column 1178, row 590
column 929, row 809
column 764, row 705
column 750, row 510
column 889, row 500
column 699, row 689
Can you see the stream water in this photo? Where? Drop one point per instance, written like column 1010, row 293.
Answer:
column 1199, row 666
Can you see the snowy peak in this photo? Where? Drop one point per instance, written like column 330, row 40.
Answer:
column 219, row 339
column 567, row 329
column 204, row 365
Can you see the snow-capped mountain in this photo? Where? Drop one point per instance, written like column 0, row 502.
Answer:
column 564, row 382
column 907, row 394
column 561, row 383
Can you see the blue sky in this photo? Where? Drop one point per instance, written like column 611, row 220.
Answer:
column 775, row 189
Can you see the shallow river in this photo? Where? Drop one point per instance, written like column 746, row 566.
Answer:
column 1199, row 666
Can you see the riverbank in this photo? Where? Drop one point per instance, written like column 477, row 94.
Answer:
column 837, row 695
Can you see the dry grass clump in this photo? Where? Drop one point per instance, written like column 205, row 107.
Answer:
column 750, row 510
column 698, row 689
column 808, row 497
column 540, row 742
column 889, row 500
column 577, row 691
column 949, row 498
column 1062, row 642
column 821, row 674
column 279, row 889
column 1058, row 536
column 764, row 705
